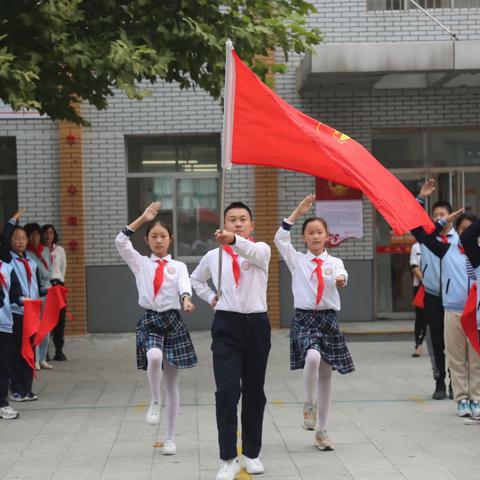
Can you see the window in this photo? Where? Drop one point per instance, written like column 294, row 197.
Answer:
column 182, row 173
column 427, row 148
column 8, row 178
column 376, row 5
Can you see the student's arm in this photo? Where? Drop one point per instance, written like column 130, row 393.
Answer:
column 123, row 243
column 199, row 279
column 185, row 288
column 258, row 253
column 414, row 263
column 7, row 233
column 283, row 242
column 42, row 290
column 430, row 240
column 469, row 239
column 340, row 274
column 15, row 293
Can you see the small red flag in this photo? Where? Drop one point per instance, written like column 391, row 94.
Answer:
column 56, row 300
column 31, row 320
column 263, row 129
column 419, row 299
column 469, row 319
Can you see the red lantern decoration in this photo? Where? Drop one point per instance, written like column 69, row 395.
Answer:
column 72, row 221
column 73, row 244
column 71, row 139
column 72, row 189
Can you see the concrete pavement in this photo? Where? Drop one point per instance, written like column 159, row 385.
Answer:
column 89, row 421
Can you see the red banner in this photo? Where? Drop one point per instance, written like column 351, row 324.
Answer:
column 469, row 319
column 56, row 301
column 31, row 320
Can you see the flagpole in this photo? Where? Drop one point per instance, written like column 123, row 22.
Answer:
column 228, row 96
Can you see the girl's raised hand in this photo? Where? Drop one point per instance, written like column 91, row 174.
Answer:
column 306, row 204
column 151, row 211
column 427, row 188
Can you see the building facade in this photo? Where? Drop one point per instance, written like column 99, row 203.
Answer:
column 386, row 74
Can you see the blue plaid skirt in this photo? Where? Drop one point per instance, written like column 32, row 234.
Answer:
column 318, row 330
column 167, row 332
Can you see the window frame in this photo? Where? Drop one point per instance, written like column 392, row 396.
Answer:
column 175, row 177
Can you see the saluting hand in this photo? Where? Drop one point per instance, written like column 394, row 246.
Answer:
column 151, row 211
column 427, row 188
column 450, row 218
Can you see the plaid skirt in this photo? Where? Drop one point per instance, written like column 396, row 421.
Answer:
column 318, row 330
column 167, row 332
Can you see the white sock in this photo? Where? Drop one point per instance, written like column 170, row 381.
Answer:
column 310, row 375
column 154, row 372
column 172, row 399
column 324, row 395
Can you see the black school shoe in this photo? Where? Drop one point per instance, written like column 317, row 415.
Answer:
column 440, row 392
column 60, row 357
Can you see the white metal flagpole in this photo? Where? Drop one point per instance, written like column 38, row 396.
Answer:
column 228, row 106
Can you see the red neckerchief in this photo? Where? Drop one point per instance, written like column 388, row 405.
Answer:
column 38, row 252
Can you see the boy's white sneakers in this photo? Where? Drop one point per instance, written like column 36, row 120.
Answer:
column 153, row 415
column 253, row 466
column 228, row 469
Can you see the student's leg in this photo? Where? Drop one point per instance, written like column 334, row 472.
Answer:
column 6, row 344
column 473, row 374
column 324, row 395
column 43, row 349
column 310, row 375
column 428, row 342
column 172, row 399
column 154, row 372
column 434, row 312
column 17, row 369
column 227, row 369
column 257, row 348
column 456, row 348
column 58, row 335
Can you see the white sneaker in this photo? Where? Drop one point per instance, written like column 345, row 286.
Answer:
column 45, row 365
column 153, row 414
column 37, row 365
column 252, row 465
column 8, row 413
column 169, row 448
column 228, row 470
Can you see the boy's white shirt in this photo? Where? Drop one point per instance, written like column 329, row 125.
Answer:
column 176, row 281
column 304, row 279
column 250, row 296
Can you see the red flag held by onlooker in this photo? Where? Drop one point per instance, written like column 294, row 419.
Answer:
column 469, row 319
column 31, row 320
column 419, row 299
column 55, row 302
column 266, row 130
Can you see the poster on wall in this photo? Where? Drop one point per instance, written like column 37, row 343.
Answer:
column 342, row 209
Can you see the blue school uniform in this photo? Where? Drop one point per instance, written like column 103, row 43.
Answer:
column 29, row 289
column 6, row 321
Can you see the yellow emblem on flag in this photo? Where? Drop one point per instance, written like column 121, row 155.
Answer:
column 341, row 137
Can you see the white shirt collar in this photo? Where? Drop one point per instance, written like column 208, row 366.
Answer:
column 322, row 256
column 154, row 258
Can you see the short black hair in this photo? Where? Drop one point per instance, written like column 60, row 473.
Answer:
column 158, row 222
column 442, row 204
column 464, row 216
column 32, row 227
column 314, row 219
column 238, row 205
column 45, row 229
column 18, row 227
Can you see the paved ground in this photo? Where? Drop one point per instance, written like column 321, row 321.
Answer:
column 89, row 421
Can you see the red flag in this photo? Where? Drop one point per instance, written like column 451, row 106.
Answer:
column 419, row 299
column 31, row 320
column 266, row 130
column 469, row 319
column 55, row 302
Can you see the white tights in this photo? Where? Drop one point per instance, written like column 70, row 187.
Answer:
column 317, row 377
column 170, row 385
